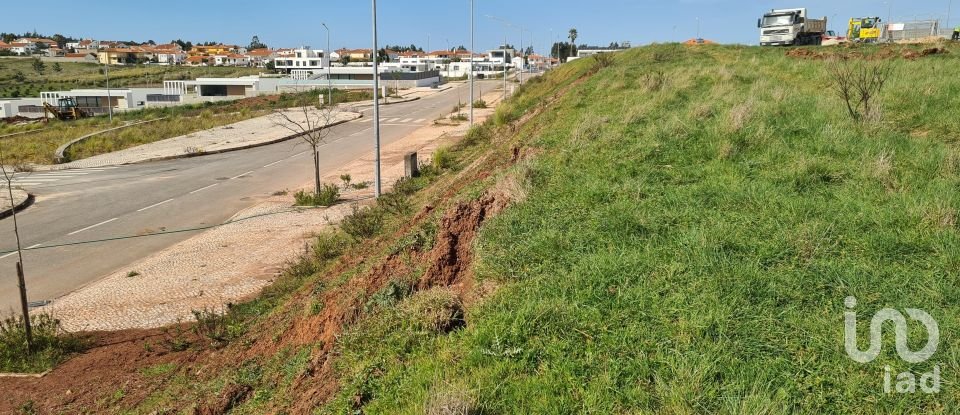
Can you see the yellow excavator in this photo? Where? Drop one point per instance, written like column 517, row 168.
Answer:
column 66, row 109
column 864, row 29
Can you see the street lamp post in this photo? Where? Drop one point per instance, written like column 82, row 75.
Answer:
column 472, row 46
column 109, row 97
column 329, row 62
column 376, row 104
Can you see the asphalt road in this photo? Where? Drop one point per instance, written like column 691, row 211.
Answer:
column 95, row 204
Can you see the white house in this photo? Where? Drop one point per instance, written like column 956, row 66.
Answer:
column 232, row 59
column 302, row 59
column 23, row 48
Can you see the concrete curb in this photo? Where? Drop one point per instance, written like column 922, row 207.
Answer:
column 61, row 152
column 25, row 203
column 227, row 150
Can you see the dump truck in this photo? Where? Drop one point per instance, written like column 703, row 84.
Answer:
column 790, row 27
column 864, row 29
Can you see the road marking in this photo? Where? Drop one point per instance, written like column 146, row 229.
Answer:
column 36, row 180
column 272, row 164
column 241, row 175
column 297, row 155
column 203, row 188
column 406, row 120
column 361, row 131
column 155, row 205
column 91, row 227
column 420, row 121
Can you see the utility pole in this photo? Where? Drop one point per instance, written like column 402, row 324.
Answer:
column 109, row 98
column 949, row 15
column 471, row 62
column 376, row 104
column 522, row 53
column 21, row 281
column 504, row 67
column 329, row 81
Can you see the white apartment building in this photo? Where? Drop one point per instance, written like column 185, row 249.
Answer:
column 302, row 59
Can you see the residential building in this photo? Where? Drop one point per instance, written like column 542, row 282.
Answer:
column 50, row 43
column 356, row 55
column 23, row 48
column 261, row 57
column 4, row 45
column 593, row 50
column 232, row 59
column 125, row 56
column 302, row 59
column 213, row 50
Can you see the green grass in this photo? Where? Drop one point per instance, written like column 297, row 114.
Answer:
column 691, row 229
column 51, row 345
column 90, row 75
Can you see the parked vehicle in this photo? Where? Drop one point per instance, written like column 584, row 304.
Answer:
column 864, row 29
column 831, row 39
column 789, row 27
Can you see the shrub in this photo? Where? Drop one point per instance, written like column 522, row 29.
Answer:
column 328, row 196
column 858, row 84
column 478, row 133
column 51, row 344
column 363, row 223
column 395, row 203
column 480, row 104
column 437, row 310
column 602, row 60
column 443, row 158
column 215, row 326
column 330, row 245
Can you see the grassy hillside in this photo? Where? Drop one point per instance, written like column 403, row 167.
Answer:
column 674, row 232
column 694, row 221
column 91, row 75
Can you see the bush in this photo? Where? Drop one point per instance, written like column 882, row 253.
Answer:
column 216, row 326
column 478, row 133
column 328, row 196
column 480, row 104
column 51, row 344
column 395, row 203
column 330, row 245
column 443, row 158
column 363, row 223
column 858, row 84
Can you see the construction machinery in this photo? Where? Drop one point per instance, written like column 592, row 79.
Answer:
column 789, row 27
column 66, row 109
column 864, row 29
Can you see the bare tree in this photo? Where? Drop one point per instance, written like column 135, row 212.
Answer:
column 311, row 122
column 859, row 84
column 9, row 173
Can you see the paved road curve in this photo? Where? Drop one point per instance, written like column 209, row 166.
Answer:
column 93, row 204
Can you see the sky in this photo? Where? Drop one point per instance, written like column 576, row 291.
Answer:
column 442, row 23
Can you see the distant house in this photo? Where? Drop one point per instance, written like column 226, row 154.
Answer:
column 23, row 48
column 4, row 45
column 260, row 57
column 50, row 43
column 302, row 59
column 123, row 56
column 197, row 61
column 231, row 59
column 212, row 50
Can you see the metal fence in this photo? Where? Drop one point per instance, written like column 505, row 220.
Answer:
column 913, row 30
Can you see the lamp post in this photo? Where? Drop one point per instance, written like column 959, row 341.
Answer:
column 376, row 104
column 949, row 14
column 329, row 81
column 109, row 97
column 472, row 39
